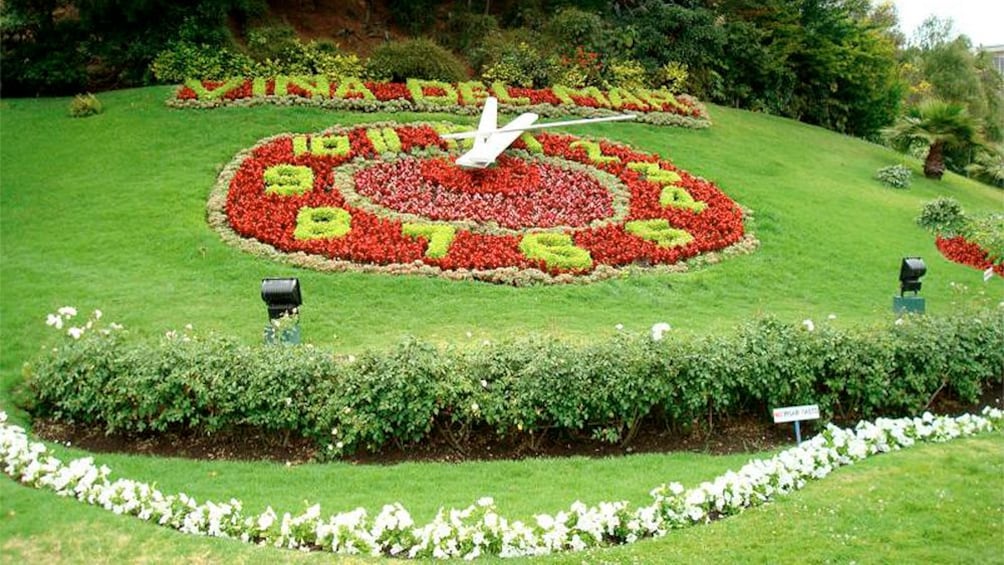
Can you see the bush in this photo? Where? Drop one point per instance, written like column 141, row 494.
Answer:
column 275, row 42
column 572, row 29
column 325, row 58
column 415, row 58
column 943, row 216
column 466, row 32
column 896, row 176
column 183, row 60
column 987, row 232
column 84, row 105
column 520, row 64
column 522, row 389
column 627, row 73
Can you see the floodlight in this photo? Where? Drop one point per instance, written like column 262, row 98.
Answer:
column 281, row 296
column 910, row 272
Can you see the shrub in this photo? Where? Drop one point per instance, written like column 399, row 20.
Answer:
column 84, row 105
column 466, row 32
column 183, row 60
column 673, row 75
column 943, row 216
column 275, row 42
column 522, row 389
column 415, row 58
column 627, row 73
column 520, row 64
column 896, row 176
column 572, row 29
column 325, row 58
column 988, row 232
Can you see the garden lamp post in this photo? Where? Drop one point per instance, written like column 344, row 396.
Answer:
column 910, row 272
column 282, row 299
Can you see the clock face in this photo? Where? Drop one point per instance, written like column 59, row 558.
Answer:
column 388, row 197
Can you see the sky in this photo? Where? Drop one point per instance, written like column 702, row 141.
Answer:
column 981, row 20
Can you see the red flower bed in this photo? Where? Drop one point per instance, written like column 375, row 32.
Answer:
column 485, row 220
column 959, row 250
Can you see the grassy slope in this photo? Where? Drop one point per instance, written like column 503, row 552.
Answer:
column 108, row 212
column 929, row 504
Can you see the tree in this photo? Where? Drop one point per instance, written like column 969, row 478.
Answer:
column 939, row 125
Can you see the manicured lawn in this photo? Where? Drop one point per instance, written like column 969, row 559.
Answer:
column 109, row 212
column 928, row 504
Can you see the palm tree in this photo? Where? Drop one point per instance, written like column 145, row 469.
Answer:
column 988, row 166
column 938, row 124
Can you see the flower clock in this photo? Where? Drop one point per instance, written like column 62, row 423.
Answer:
column 389, row 197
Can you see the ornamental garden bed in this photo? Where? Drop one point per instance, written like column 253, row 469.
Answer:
column 960, row 250
column 659, row 107
column 388, row 198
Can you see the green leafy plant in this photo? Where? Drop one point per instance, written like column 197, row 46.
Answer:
column 84, row 105
column 943, row 216
column 896, row 176
column 524, row 388
column 987, row 231
column 520, row 64
column 415, row 58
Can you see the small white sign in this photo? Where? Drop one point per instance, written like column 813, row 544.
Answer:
column 796, row 413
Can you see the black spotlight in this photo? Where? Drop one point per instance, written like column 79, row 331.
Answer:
column 910, row 272
column 281, row 296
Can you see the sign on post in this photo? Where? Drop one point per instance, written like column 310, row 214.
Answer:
column 796, row 414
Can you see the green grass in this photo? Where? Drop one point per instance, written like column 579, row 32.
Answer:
column 109, row 212
column 928, row 504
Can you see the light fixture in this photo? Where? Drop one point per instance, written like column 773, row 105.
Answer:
column 910, row 272
column 282, row 299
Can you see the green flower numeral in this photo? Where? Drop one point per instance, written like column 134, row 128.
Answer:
column 565, row 94
column 440, row 236
column 556, row 250
column 532, row 145
column 288, row 180
column 658, row 231
column 453, row 143
column 322, row 223
column 678, row 197
column 593, row 151
column 671, row 195
column 322, row 145
column 384, row 140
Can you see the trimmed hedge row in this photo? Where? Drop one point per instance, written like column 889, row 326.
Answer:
column 521, row 389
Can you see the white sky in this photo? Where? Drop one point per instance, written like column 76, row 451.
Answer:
column 981, row 20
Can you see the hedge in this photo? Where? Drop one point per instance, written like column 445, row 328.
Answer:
column 518, row 390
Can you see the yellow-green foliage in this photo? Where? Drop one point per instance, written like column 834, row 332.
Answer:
column 556, row 250
column 322, row 223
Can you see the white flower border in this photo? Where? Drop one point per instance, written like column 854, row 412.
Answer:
column 478, row 529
